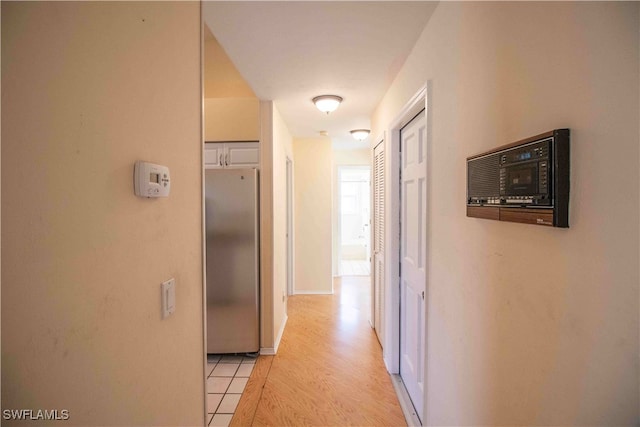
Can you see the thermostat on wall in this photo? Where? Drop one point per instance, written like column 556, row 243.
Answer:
column 151, row 180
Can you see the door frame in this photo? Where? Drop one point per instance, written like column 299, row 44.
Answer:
column 289, row 208
column 391, row 351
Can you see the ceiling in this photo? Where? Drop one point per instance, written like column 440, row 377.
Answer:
column 292, row 51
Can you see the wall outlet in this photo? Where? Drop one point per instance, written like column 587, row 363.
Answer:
column 168, row 297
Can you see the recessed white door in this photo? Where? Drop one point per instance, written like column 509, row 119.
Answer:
column 413, row 174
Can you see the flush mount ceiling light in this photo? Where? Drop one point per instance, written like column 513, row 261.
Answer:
column 327, row 103
column 360, row 134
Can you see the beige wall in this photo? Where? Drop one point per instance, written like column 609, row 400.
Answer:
column 232, row 111
column 312, row 212
column 232, row 119
column 267, row 335
column 275, row 146
column 360, row 157
column 221, row 77
column 88, row 89
column 530, row 325
column 282, row 148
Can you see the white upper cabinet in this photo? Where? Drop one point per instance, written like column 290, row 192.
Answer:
column 213, row 155
column 219, row 155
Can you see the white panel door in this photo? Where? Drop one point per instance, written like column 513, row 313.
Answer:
column 378, row 239
column 413, row 236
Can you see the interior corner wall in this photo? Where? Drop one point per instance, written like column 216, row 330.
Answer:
column 282, row 149
column 275, row 147
column 529, row 325
column 232, row 110
column 267, row 335
column 312, row 213
column 359, row 157
column 221, row 77
column 88, row 89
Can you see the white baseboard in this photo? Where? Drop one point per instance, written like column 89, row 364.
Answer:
column 271, row 351
column 313, row 292
column 280, row 332
column 409, row 412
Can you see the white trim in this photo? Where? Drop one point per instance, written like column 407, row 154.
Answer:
column 290, row 227
column 406, row 405
column 302, row 292
column 271, row 351
column 391, row 350
column 203, row 225
column 335, row 214
column 280, row 332
column 335, row 221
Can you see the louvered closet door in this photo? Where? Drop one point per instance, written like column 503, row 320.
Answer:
column 378, row 239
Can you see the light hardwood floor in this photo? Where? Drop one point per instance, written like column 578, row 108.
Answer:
column 328, row 370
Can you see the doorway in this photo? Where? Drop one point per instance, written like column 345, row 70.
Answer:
column 406, row 230
column 413, row 216
column 354, row 217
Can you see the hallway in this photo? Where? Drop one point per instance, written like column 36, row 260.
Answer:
column 328, row 370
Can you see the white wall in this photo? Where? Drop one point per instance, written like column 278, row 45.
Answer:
column 312, row 213
column 360, row 157
column 88, row 89
column 531, row 325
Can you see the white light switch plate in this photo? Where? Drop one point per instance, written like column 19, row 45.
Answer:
column 168, row 297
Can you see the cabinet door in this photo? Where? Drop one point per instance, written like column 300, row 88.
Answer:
column 242, row 155
column 213, row 155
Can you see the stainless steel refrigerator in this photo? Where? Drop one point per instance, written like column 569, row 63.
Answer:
column 231, row 209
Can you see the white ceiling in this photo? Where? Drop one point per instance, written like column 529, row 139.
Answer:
column 291, row 51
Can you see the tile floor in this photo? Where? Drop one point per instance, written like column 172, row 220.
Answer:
column 227, row 376
column 354, row 268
